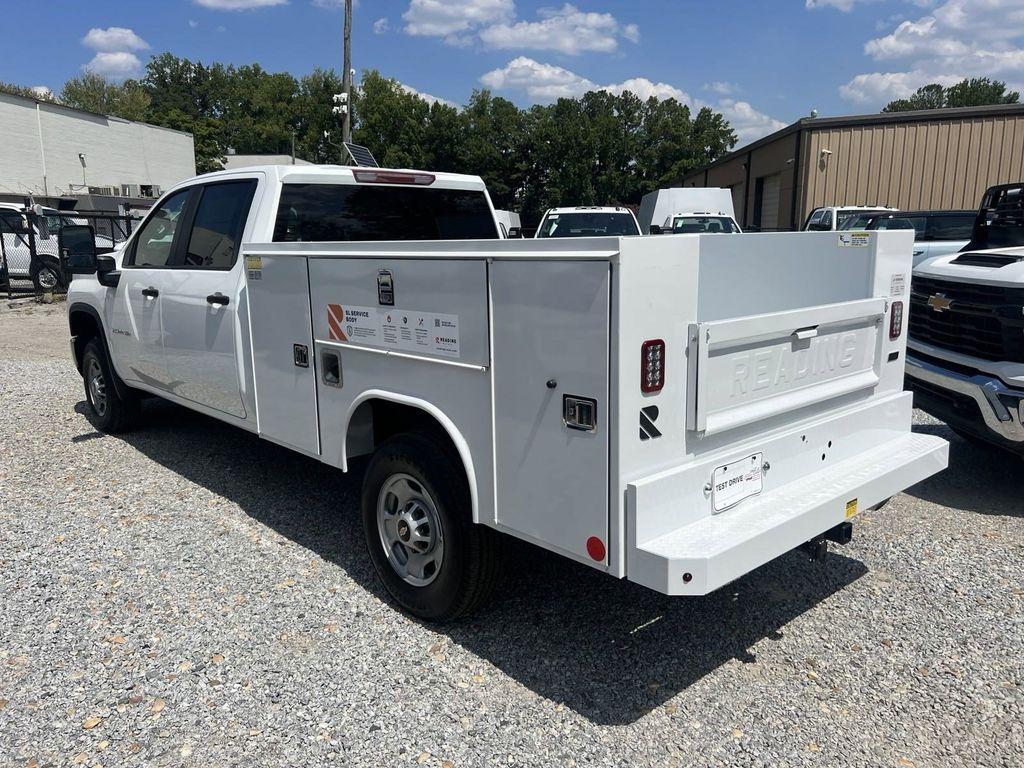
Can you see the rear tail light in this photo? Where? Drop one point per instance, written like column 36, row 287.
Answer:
column 392, row 177
column 652, row 366
column 896, row 320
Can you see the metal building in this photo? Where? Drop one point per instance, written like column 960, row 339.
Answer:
column 49, row 150
column 936, row 159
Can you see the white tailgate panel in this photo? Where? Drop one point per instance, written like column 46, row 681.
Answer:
column 279, row 319
column 751, row 368
column 550, row 321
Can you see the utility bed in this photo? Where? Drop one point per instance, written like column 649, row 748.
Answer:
column 674, row 410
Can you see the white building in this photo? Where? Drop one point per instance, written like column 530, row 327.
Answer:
column 50, row 150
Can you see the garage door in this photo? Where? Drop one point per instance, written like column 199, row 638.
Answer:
column 770, row 202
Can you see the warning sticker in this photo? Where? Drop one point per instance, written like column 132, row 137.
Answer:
column 854, row 239
column 395, row 328
column 851, row 508
column 254, row 267
column 898, row 284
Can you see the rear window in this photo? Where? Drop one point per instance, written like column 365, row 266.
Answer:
column 950, row 227
column 331, row 212
column 597, row 224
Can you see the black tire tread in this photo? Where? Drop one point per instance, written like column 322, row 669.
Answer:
column 122, row 413
column 483, row 545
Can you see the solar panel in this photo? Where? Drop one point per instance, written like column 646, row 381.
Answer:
column 361, row 155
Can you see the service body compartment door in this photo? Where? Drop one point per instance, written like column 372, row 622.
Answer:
column 752, row 368
column 550, row 341
column 278, row 289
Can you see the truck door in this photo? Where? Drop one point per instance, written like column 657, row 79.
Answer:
column 135, row 320
column 550, row 352
column 200, row 295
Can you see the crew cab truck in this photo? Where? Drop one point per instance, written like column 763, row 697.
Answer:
column 965, row 356
column 675, row 410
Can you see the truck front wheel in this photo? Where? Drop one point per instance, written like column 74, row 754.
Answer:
column 108, row 411
column 434, row 561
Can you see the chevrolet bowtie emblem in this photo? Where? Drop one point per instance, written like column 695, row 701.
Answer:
column 939, row 302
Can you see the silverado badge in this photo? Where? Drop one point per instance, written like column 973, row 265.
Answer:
column 939, row 302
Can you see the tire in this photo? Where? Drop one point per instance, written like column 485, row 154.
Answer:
column 46, row 277
column 416, row 503
column 107, row 410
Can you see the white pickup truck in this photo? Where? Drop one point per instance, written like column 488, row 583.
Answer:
column 675, row 410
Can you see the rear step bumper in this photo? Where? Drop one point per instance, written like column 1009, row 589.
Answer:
column 708, row 553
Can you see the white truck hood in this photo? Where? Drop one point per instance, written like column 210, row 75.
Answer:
column 1007, row 274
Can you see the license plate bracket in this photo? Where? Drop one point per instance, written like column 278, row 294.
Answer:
column 736, row 481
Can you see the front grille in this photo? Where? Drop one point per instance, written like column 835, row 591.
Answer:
column 984, row 321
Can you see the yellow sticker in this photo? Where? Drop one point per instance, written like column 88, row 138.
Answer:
column 254, row 262
column 851, row 508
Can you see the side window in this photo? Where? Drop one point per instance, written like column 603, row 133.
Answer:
column 950, row 227
column 156, row 238
column 217, row 227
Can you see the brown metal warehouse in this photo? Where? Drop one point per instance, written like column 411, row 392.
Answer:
column 936, row 159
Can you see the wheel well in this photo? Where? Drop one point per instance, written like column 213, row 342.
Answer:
column 376, row 419
column 84, row 327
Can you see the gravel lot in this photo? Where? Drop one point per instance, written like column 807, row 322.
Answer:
column 190, row 595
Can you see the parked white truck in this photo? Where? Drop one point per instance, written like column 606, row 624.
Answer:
column 675, row 410
column 965, row 357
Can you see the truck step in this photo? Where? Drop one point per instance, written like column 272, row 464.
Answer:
column 704, row 555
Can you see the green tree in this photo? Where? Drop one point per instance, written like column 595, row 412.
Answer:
column 28, row 93
column 313, row 116
column 94, row 93
column 970, row 92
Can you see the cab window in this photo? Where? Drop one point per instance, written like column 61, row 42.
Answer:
column 217, row 226
column 154, row 243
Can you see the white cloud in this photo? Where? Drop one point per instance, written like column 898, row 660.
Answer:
column 116, row 65
column 238, row 5
column 541, row 82
column 722, row 88
column 380, row 26
column 113, row 39
column 454, row 19
column 494, row 24
column 430, row 99
column 548, row 82
column 193, row 23
column 957, row 39
column 842, row 5
column 567, row 30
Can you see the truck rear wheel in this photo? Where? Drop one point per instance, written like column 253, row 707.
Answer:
column 434, row 561
column 108, row 411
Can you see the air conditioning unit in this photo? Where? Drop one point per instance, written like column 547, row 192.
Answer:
column 130, row 190
column 149, row 190
column 102, row 191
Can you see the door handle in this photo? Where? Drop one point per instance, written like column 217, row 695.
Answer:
column 802, row 334
column 218, row 298
column 150, row 293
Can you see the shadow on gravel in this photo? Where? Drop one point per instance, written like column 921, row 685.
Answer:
column 979, row 478
column 608, row 649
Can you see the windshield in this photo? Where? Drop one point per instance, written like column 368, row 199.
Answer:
column 702, row 224
column 55, row 221
column 843, row 217
column 587, row 224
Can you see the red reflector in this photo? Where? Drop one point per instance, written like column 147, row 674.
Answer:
column 652, row 366
column 896, row 320
column 367, row 176
column 595, row 548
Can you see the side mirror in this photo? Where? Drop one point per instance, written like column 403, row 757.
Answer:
column 656, row 230
column 515, row 233
column 76, row 244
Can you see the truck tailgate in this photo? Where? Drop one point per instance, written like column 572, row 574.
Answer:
column 751, row 368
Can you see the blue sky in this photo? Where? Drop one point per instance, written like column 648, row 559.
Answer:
column 763, row 64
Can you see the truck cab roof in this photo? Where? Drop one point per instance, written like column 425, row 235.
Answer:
column 313, row 174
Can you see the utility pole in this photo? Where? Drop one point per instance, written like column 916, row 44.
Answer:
column 346, row 77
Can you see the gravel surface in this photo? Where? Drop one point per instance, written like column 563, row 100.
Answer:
column 190, row 595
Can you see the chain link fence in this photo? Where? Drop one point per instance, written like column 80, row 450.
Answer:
column 29, row 259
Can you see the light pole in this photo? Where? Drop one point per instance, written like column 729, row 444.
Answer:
column 346, row 77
